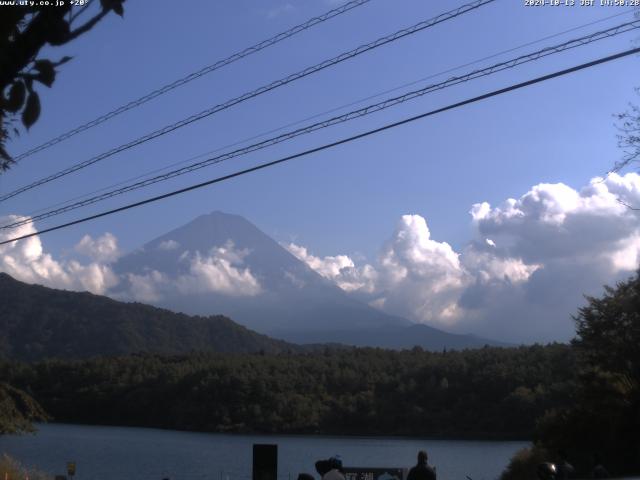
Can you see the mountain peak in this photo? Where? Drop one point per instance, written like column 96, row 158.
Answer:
column 220, row 247
column 220, row 263
column 220, row 215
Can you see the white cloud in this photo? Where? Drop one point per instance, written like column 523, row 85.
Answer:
column 340, row 269
column 220, row 271
column 94, row 277
column 361, row 279
column 26, row 261
column 147, row 288
column 328, row 267
column 416, row 276
column 102, row 249
column 524, row 274
column 556, row 244
column 521, row 277
column 167, row 245
column 421, row 278
column 553, row 222
column 489, row 265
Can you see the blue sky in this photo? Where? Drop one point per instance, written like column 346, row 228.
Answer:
column 347, row 200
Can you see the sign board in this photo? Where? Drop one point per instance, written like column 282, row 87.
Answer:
column 265, row 462
column 71, row 468
column 363, row 473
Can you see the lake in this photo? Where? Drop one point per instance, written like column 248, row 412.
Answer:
column 117, row 453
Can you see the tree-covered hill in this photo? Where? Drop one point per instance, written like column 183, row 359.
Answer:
column 38, row 322
column 482, row 393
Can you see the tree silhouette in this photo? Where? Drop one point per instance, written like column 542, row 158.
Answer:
column 24, row 30
column 629, row 136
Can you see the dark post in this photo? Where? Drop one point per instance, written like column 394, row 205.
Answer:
column 265, row 462
column 71, row 469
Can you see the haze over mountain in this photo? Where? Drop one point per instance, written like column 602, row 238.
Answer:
column 221, row 263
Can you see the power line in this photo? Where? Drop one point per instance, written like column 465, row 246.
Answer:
column 336, row 143
column 195, row 75
column 266, row 88
column 387, row 103
column 332, row 110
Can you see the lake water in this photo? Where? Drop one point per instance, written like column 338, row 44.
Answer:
column 118, row 453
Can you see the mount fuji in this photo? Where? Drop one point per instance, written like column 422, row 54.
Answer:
column 223, row 264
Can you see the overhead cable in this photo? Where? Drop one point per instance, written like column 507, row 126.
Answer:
column 254, row 93
column 195, row 75
column 326, row 112
column 373, row 108
column 333, row 144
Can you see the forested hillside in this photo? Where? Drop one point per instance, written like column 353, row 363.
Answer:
column 490, row 392
column 38, row 322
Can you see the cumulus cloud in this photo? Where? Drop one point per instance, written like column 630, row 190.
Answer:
column 339, row 269
column 555, row 222
column 565, row 242
column 490, row 266
column 525, row 272
column 421, row 277
column 145, row 288
column 220, row 271
column 102, row 249
column 26, row 260
column 521, row 277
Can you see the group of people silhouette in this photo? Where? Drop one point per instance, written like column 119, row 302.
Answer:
column 332, row 469
column 563, row 469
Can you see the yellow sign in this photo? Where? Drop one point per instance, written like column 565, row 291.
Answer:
column 71, row 468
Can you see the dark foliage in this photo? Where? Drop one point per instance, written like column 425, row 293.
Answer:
column 18, row 410
column 38, row 322
column 489, row 392
column 605, row 415
column 24, row 30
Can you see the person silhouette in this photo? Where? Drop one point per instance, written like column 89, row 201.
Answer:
column 335, row 471
column 564, row 469
column 422, row 470
column 598, row 468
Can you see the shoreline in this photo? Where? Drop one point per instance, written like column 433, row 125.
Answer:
column 450, row 438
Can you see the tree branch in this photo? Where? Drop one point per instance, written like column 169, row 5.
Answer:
column 87, row 26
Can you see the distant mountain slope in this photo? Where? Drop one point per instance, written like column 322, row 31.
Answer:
column 38, row 322
column 293, row 295
column 295, row 302
column 397, row 338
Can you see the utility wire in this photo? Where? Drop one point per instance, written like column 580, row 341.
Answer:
column 376, row 107
column 194, row 75
column 266, row 88
column 336, row 143
column 326, row 112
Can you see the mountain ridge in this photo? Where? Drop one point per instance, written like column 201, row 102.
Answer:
column 38, row 322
